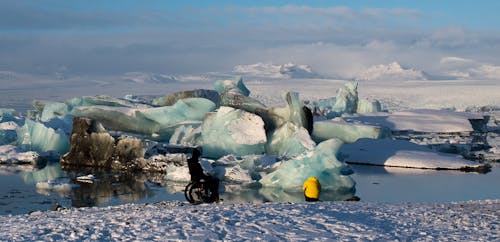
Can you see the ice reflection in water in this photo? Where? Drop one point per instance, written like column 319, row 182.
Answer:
column 25, row 191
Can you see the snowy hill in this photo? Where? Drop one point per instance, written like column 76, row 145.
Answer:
column 462, row 68
column 288, row 70
column 392, row 71
column 141, row 77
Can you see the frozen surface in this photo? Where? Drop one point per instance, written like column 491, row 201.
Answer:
column 347, row 132
column 458, row 221
column 422, row 120
column 401, row 153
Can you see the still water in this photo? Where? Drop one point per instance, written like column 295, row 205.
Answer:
column 27, row 191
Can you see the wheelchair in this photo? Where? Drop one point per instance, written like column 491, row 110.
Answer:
column 197, row 192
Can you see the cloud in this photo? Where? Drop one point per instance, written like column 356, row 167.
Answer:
column 338, row 41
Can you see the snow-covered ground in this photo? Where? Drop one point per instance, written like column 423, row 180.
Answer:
column 325, row 221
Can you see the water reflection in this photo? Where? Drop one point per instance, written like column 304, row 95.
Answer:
column 40, row 189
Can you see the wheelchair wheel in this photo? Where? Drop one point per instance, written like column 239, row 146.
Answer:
column 188, row 197
column 198, row 192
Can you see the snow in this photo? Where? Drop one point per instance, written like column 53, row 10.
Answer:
column 401, row 153
column 391, row 72
column 347, row 221
column 288, row 70
column 423, row 120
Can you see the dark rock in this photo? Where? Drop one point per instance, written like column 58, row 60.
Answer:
column 92, row 146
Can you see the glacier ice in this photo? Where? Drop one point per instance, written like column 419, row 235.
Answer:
column 367, row 106
column 149, row 121
column 239, row 101
column 98, row 100
column 294, row 112
column 53, row 110
column 232, row 131
column 235, row 86
column 320, row 162
column 182, row 110
column 12, row 155
column 36, row 136
column 198, row 93
column 289, row 140
column 346, row 101
column 347, row 132
column 187, row 133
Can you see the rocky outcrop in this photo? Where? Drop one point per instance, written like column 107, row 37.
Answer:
column 92, row 146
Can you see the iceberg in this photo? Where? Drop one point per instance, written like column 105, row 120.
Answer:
column 35, row 136
column 187, row 133
column 401, row 153
column 367, row 106
column 98, row 101
column 321, row 162
column 235, row 86
column 347, row 132
column 12, row 155
column 289, row 140
column 346, row 101
column 53, row 110
column 295, row 112
column 148, row 121
column 182, row 110
column 232, row 131
column 239, row 101
column 198, row 93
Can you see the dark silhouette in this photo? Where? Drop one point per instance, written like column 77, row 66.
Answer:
column 202, row 188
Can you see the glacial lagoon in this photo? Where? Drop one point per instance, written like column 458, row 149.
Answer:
column 20, row 193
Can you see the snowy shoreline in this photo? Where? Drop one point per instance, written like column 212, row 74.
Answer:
column 167, row 221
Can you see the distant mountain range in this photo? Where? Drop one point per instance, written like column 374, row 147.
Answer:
column 288, row 70
column 451, row 68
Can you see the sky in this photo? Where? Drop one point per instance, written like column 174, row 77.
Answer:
column 340, row 38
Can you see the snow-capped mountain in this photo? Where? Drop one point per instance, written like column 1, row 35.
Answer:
column 288, row 70
column 392, row 71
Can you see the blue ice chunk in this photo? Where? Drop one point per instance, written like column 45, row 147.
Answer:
column 321, row 162
column 53, row 110
column 235, row 86
column 36, row 136
column 347, row 132
column 293, row 113
column 187, row 134
column 367, row 106
column 148, row 121
column 98, row 100
column 232, row 131
column 240, row 101
column 345, row 101
column 289, row 140
column 199, row 93
column 182, row 110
